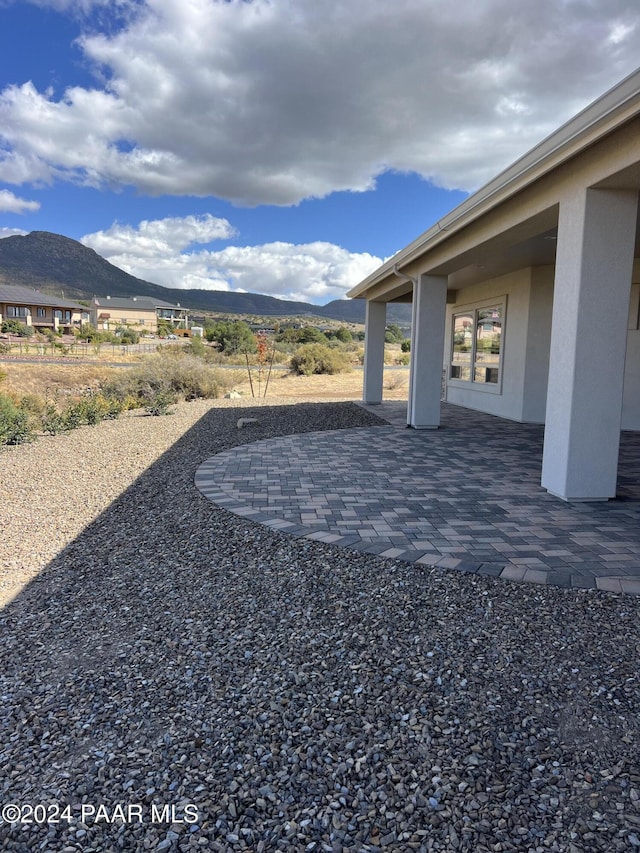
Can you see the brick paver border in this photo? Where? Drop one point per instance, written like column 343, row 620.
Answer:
column 465, row 497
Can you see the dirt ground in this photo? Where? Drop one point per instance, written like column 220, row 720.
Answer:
column 45, row 378
column 344, row 386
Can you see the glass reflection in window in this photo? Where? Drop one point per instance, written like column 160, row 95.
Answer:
column 462, row 346
column 488, row 343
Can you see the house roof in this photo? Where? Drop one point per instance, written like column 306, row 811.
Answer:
column 16, row 294
column 141, row 303
column 608, row 114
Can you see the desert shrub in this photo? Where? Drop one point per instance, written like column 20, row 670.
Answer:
column 112, row 408
column 87, row 410
column 73, row 416
column 15, row 426
column 318, row 358
column 5, row 348
column 196, row 346
column 91, row 408
column 395, row 379
column 52, row 421
column 191, row 378
column 160, row 404
column 182, row 375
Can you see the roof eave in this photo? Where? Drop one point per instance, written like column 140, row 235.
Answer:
column 597, row 120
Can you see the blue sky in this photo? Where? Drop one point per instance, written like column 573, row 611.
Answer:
column 280, row 146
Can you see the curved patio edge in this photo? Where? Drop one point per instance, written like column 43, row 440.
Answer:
column 427, row 498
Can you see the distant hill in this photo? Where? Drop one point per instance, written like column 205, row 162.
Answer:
column 53, row 263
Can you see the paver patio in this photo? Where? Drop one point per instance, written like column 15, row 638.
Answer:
column 464, row 497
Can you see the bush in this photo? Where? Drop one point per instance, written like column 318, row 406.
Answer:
column 196, row 346
column 160, row 404
column 393, row 334
column 231, row 337
column 167, row 372
column 14, row 423
column 15, row 327
column 318, row 358
column 344, row 335
column 52, row 421
column 88, row 410
column 90, row 334
column 126, row 336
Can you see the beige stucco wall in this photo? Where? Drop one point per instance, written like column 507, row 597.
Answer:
column 507, row 399
column 538, row 342
column 526, row 339
column 631, row 395
column 125, row 317
column 32, row 319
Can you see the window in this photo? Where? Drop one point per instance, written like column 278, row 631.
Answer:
column 17, row 311
column 477, row 345
column 42, row 312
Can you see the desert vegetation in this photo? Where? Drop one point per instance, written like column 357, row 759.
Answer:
column 153, row 385
column 49, row 398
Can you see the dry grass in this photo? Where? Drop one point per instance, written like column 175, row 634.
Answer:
column 43, row 379
column 342, row 386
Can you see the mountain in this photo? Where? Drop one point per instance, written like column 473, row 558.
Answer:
column 53, row 263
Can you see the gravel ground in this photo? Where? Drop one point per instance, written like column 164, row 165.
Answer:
column 282, row 694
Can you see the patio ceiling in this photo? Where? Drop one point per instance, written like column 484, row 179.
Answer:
column 513, row 249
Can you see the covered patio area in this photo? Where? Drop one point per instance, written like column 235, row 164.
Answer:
column 465, row 497
column 526, row 300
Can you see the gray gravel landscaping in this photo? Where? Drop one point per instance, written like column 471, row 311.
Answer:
column 280, row 693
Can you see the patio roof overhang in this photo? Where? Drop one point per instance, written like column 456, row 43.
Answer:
column 511, row 222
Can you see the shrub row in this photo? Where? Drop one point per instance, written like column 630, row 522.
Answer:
column 157, row 383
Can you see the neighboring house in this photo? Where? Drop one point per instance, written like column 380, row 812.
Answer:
column 527, row 296
column 140, row 313
column 40, row 310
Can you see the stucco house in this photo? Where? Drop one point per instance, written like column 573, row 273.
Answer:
column 40, row 310
column 526, row 299
column 140, row 313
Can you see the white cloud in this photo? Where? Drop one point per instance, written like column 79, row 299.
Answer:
column 10, row 203
column 273, row 101
column 155, row 251
column 11, row 232
column 159, row 236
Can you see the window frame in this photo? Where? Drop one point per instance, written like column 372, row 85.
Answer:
column 474, row 309
column 18, row 312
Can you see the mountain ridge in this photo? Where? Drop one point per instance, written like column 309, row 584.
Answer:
column 52, row 263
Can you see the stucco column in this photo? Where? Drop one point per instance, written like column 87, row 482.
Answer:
column 427, row 344
column 594, row 262
column 375, row 323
